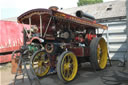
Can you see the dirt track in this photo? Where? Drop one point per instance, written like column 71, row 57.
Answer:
column 5, row 74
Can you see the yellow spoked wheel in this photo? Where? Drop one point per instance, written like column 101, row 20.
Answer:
column 98, row 53
column 40, row 63
column 67, row 66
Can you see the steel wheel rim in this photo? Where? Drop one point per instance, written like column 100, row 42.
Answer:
column 69, row 67
column 41, row 64
column 102, row 53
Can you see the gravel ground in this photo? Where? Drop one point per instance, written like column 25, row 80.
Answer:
column 114, row 75
column 5, row 74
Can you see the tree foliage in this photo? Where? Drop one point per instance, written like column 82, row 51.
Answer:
column 85, row 2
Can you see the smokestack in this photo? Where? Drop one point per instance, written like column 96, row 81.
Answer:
column 81, row 14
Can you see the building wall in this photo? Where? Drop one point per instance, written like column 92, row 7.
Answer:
column 116, row 37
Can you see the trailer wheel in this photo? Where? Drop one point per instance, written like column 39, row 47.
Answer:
column 98, row 53
column 67, row 66
column 40, row 63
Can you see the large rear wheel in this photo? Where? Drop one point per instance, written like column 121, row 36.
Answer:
column 40, row 63
column 67, row 66
column 98, row 53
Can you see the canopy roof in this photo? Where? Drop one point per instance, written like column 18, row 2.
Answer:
column 34, row 15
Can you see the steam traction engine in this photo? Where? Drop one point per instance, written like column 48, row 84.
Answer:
column 63, row 41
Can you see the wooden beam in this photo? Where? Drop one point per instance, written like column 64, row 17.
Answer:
column 41, row 28
column 30, row 21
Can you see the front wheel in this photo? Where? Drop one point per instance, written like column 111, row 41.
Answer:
column 67, row 66
column 40, row 63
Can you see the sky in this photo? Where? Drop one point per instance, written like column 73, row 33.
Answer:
column 13, row 8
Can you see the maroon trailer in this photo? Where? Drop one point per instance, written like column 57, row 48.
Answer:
column 11, row 38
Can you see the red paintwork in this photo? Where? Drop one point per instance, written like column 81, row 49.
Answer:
column 90, row 36
column 11, row 38
column 5, row 58
column 34, row 38
column 78, row 51
column 86, row 50
column 79, row 39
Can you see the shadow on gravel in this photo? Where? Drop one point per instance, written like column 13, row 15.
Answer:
column 87, row 76
column 115, row 75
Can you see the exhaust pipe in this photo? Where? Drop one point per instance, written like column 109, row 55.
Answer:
column 81, row 14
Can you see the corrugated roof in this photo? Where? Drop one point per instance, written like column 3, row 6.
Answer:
column 101, row 10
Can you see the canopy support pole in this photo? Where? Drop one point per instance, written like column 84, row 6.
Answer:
column 41, row 28
column 47, row 27
column 29, row 20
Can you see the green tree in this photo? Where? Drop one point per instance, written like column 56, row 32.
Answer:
column 85, row 2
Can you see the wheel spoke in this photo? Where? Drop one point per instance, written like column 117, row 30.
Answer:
column 68, row 75
column 69, row 59
column 36, row 70
column 65, row 72
column 70, row 71
column 71, row 67
column 65, row 61
column 43, row 68
column 39, row 70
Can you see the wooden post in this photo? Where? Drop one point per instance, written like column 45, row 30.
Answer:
column 29, row 20
column 30, row 27
column 41, row 28
column 47, row 27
